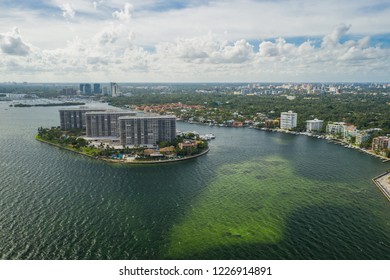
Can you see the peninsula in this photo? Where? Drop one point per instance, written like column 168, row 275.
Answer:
column 123, row 136
column 185, row 146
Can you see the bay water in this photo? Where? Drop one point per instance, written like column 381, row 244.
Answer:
column 255, row 195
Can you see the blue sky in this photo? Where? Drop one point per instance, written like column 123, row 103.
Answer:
column 194, row 41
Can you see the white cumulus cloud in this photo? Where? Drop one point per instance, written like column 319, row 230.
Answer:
column 125, row 13
column 108, row 35
column 11, row 43
column 206, row 49
column 97, row 4
column 67, row 10
column 330, row 60
column 333, row 38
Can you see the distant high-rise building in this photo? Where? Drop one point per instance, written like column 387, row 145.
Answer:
column 96, row 88
column 82, row 88
column 115, row 90
column 68, row 91
column 314, row 125
column 146, row 130
column 85, row 89
column 288, row 120
column 309, row 88
column 88, row 89
column 106, row 90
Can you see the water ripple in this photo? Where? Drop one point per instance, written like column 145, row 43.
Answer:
column 60, row 205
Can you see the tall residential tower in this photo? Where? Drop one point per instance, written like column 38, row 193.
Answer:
column 146, row 130
column 314, row 125
column 104, row 124
column 74, row 118
column 288, row 120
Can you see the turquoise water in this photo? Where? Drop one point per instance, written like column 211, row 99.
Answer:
column 255, row 195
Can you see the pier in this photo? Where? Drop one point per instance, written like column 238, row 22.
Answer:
column 383, row 183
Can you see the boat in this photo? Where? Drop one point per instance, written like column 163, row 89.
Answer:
column 207, row 137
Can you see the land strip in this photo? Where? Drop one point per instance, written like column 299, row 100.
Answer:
column 383, row 183
column 126, row 162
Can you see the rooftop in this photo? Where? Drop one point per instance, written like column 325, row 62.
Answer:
column 148, row 117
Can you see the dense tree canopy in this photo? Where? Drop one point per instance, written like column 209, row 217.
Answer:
column 362, row 110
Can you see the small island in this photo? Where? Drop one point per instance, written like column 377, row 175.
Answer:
column 186, row 145
column 22, row 105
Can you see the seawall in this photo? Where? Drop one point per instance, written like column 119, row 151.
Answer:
column 383, row 183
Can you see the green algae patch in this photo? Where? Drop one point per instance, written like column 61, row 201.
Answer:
column 247, row 203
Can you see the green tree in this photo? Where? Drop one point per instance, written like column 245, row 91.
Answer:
column 163, row 144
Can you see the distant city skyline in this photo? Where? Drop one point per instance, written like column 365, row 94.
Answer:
column 85, row 41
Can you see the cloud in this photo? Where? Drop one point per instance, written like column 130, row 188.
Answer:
column 136, row 58
column 240, row 52
column 332, row 60
column 268, row 49
column 333, row 38
column 97, row 4
column 12, row 44
column 108, row 35
column 67, row 11
column 198, row 41
column 109, row 55
column 206, row 49
column 281, row 48
column 124, row 14
column 114, row 35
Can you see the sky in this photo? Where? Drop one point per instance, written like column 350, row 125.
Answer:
column 195, row 41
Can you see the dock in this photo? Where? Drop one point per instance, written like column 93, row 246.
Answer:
column 383, row 183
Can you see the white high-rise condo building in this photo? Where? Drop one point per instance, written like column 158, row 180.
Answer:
column 341, row 128
column 288, row 120
column 104, row 124
column 314, row 125
column 74, row 118
column 336, row 128
column 146, row 130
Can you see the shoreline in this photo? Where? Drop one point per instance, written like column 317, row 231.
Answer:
column 125, row 162
column 135, row 162
column 329, row 140
column 382, row 184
